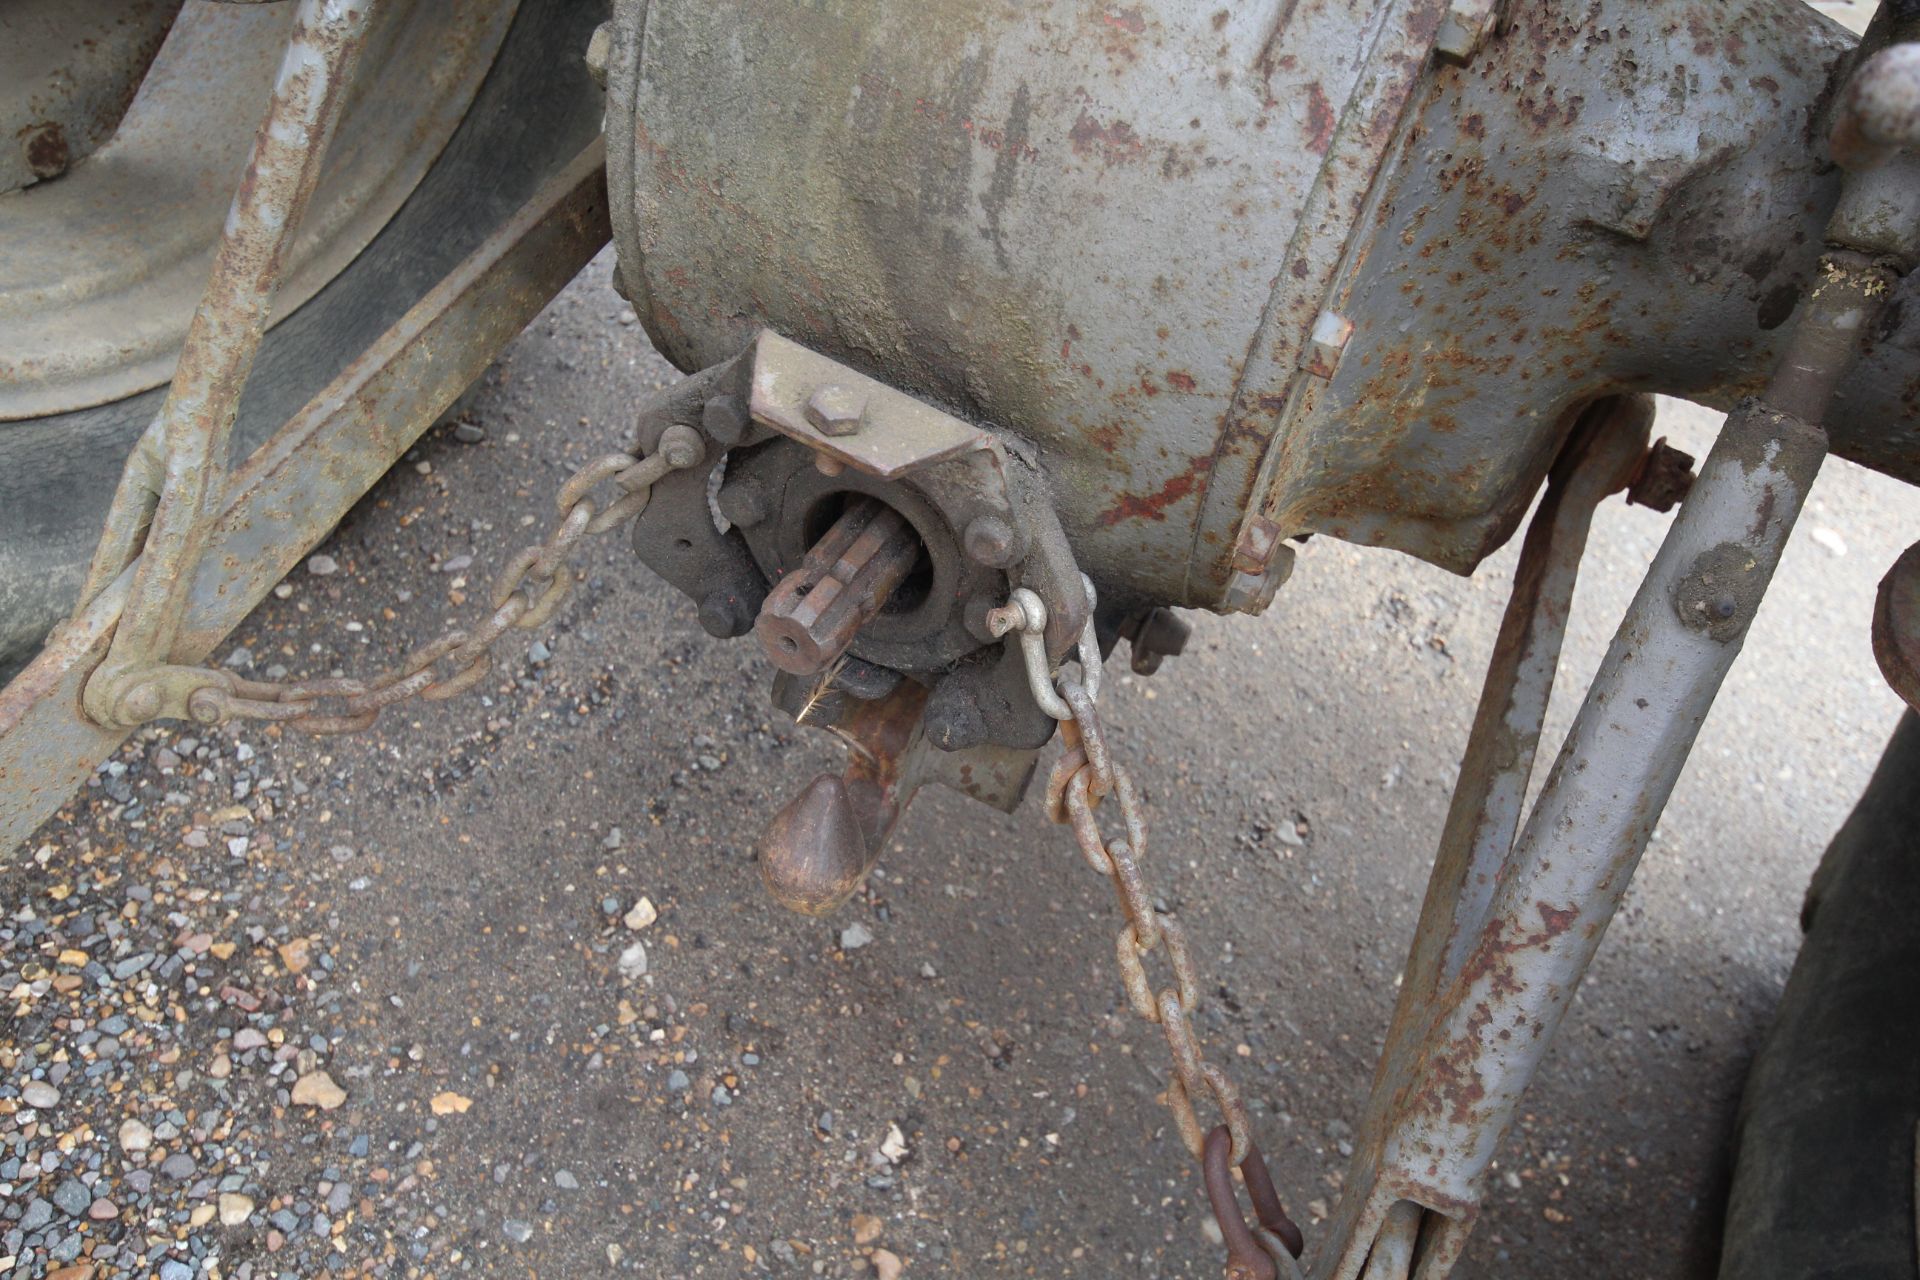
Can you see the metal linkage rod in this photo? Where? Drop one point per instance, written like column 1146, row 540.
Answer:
column 1453, row 1099
column 173, row 481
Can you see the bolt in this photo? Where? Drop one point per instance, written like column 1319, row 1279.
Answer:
column 975, row 615
column 139, row 704
column 1465, row 28
column 204, row 707
column 1155, row 635
column 725, row 419
column 682, row 446
column 1326, row 344
column 599, row 50
column 827, row 466
column 724, row 615
column 1663, row 479
column 990, row 541
column 744, row 502
column 836, row 410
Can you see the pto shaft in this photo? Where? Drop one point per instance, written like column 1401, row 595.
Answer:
column 812, row 616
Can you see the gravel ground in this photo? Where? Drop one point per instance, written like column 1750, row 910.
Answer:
column 493, row 989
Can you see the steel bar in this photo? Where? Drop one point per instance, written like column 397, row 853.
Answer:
column 1447, row 1105
column 1573, row 860
column 1607, row 446
column 196, row 422
column 297, row 486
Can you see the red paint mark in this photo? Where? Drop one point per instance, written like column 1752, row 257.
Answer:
column 1154, row 505
column 1131, row 21
column 1320, row 120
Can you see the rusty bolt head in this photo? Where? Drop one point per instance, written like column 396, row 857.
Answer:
column 1664, row 477
column 744, row 502
column 828, row 466
column 599, row 50
column 835, row 410
column 725, row 615
column 989, row 540
column 1465, row 28
column 1326, row 344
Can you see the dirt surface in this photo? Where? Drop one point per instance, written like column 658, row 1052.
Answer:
column 435, row 915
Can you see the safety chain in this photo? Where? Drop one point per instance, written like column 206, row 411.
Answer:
column 1085, row 776
column 530, row 588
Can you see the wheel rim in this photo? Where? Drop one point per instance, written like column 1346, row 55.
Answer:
column 101, row 267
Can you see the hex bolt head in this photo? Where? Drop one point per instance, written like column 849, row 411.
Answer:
column 990, row 541
column 835, row 410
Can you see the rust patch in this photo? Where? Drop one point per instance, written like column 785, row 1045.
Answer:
column 1320, row 120
column 1116, row 143
column 1153, row 506
column 47, row 150
column 1180, row 380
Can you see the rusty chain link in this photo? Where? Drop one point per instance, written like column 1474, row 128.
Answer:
column 530, row 588
column 1086, row 775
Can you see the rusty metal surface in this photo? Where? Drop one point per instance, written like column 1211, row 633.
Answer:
column 68, row 69
column 530, row 588
column 172, row 481
column 1083, row 777
column 821, row 845
column 1107, row 228
column 977, row 501
column 1254, row 272
column 1880, row 111
column 1488, row 802
column 1896, row 626
column 1453, row 1095
column 294, row 488
column 1624, row 197
column 100, row 270
column 1475, row 1024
